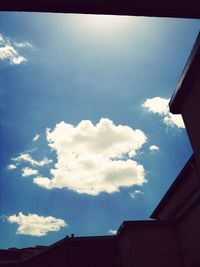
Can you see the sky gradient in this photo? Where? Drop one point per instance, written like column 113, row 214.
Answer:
column 87, row 139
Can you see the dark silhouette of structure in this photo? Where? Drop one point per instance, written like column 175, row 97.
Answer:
column 175, row 8
column 172, row 238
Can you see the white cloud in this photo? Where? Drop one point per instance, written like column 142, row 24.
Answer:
column 43, row 182
column 153, row 148
column 22, row 45
column 27, row 158
column 35, row 225
column 157, row 105
column 135, row 193
column 36, row 137
column 160, row 106
column 112, row 232
column 172, row 120
column 104, row 138
column 28, row 171
column 8, row 52
column 2, row 42
column 11, row 167
column 89, row 157
column 3, row 218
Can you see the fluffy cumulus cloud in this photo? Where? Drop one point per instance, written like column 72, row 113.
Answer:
column 153, row 148
column 136, row 193
column 160, row 106
column 9, row 52
column 28, row 171
column 25, row 157
column 35, row 225
column 94, row 158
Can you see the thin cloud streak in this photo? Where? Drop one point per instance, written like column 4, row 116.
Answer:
column 136, row 193
column 27, row 158
column 36, row 137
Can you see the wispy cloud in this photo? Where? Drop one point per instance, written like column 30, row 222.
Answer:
column 135, row 193
column 8, row 51
column 22, row 45
column 27, row 158
column 90, row 157
column 35, row 225
column 112, row 232
column 160, row 106
column 11, row 167
column 36, row 137
column 153, row 148
column 28, row 172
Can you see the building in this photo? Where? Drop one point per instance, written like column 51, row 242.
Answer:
column 170, row 8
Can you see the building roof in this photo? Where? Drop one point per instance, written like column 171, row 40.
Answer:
column 15, row 255
column 188, row 78
column 71, row 239
column 187, row 9
column 141, row 224
column 183, row 192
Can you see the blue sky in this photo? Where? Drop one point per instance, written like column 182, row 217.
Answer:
column 87, row 139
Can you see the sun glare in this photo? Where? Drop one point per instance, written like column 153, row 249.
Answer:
column 103, row 26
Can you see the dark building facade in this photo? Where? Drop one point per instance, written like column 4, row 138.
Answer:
column 153, row 8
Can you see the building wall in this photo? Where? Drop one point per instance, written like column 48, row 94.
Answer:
column 78, row 252
column 149, row 245
column 51, row 258
column 188, row 229
column 188, row 226
column 90, row 253
column 10, row 257
column 191, row 116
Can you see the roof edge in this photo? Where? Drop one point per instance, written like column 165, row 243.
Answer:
column 70, row 239
column 142, row 223
column 188, row 77
column 163, row 201
column 112, row 7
